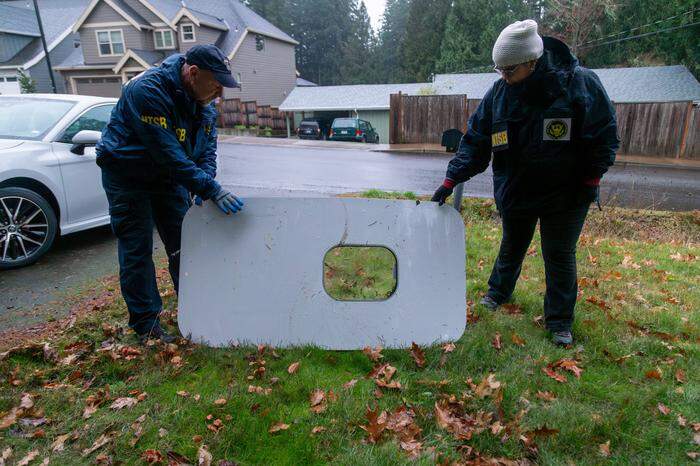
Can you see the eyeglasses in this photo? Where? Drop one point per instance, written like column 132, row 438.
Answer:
column 507, row 70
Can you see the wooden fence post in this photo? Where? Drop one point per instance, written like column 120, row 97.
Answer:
column 684, row 134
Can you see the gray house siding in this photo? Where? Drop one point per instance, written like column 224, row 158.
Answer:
column 104, row 13
column 268, row 75
column 40, row 71
column 133, row 39
column 10, row 44
column 202, row 35
column 143, row 11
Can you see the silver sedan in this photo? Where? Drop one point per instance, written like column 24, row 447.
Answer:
column 49, row 182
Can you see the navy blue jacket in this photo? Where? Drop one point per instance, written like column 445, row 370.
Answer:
column 156, row 128
column 548, row 134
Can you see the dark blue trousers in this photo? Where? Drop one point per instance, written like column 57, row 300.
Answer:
column 559, row 233
column 136, row 205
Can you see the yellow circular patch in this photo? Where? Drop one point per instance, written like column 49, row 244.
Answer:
column 557, row 129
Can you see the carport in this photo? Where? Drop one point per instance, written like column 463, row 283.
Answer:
column 369, row 102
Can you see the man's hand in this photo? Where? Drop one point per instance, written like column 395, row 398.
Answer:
column 227, row 202
column 444, row 191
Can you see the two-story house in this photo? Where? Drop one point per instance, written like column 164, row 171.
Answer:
column 20, row 41
column 97, row 45
column 121, row 38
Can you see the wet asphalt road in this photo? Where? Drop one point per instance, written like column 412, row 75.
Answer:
column 41, row 291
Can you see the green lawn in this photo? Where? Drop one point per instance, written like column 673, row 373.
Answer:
column 636, row 399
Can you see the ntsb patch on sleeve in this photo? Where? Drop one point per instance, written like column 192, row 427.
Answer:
column 556, row 129
column 499, row 139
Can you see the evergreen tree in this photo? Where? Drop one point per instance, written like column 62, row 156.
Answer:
column 391, row 37
column 472, row 28
column 425, row 27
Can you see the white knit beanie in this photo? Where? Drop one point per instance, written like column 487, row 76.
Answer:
column 517, row 43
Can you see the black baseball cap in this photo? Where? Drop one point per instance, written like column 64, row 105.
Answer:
column 211, row 58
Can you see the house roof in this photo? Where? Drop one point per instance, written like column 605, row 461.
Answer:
column 355, row 97
column 20, row 21
column 628, row 85
column 57, row 18
column 303, row 82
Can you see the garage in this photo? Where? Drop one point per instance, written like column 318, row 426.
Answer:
column 107, row 86
column 9, row 85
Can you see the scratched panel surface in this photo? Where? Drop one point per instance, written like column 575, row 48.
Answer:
column 258, row 277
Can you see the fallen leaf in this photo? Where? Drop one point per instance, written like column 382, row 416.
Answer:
column 654, row 374
column 412, row 447
column 293, row 367
column 569, row 365
column 183, row 394
column 220, row 402
column 121, row 403
column 604, row 449
column 554, row 374
column 101, row 441
column 204, row 458
column 259, row 390
column 663, row 409
column 152, row 456
column 680, row 376
column 682, row 422
column 59, row 443
column 317, row 400
column 29, row 458
column 515, row 338
column 216, row 426
column 350, row 384
column 176, row 459
column 486, row 387
column 418, row 355
column 278, row 427
column 6, row 453
column 693, row 455
column 375, row 354
column 448, row 347
column 546, row 396
column 376, row 423
column 162, row 433
column 496, row 342
column 317, row 430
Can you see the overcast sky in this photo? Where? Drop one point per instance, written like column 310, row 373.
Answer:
column 375, row 8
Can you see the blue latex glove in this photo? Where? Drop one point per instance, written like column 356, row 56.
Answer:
column 198, row 200
column 227, row 202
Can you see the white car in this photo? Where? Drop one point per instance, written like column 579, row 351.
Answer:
column 49, row 182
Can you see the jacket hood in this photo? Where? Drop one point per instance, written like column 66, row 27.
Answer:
column 551, row 76
column 558, row 54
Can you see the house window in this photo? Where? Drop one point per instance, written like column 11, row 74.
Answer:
column 259, row 43
column 163, row 39
column 188, row 33
column 110, row 42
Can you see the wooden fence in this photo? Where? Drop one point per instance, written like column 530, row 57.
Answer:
column 233, row 112
column 422, row 119
column 659, row 129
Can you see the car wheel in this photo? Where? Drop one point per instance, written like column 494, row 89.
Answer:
column 28, row 227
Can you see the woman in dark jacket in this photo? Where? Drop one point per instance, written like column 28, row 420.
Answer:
column 551, row 129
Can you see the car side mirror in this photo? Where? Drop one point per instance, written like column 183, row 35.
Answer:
column 83, row 139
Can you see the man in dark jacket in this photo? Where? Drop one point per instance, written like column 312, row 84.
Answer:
column 158, row 147
column 551, row 129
